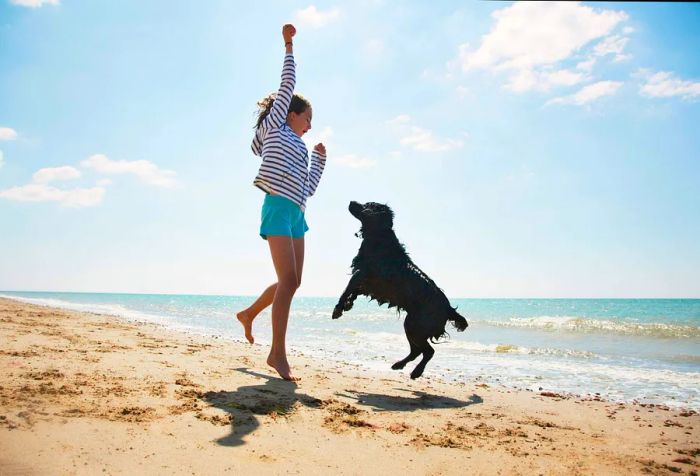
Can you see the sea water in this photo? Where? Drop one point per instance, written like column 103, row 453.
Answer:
column 645, row 350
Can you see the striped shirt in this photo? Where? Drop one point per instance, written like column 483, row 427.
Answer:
column 285, row 161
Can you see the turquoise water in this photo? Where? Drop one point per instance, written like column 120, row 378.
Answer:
column 644, row 350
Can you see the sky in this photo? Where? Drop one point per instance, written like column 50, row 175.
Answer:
column 527, row 149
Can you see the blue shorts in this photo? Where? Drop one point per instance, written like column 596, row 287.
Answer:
column 281, row 217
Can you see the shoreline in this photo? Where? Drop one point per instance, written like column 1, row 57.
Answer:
column 492, row 357
column 83, row 393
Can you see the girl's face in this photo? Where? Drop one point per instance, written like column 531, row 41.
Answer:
column 300, row 123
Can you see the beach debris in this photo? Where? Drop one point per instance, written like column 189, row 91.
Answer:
column 343, row 415
column 552, row 395
column 398, row 427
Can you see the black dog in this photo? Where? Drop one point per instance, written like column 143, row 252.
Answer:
column 383, row 271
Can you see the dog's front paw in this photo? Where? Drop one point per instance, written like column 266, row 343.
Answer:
column 337, row 312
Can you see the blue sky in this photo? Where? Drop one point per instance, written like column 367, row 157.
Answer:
column 528, row 150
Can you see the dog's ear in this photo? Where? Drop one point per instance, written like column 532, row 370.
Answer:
column 457, row 320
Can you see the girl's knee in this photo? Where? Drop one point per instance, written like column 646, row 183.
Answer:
column 288, row 283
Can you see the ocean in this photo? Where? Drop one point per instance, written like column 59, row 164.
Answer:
column 642, row 350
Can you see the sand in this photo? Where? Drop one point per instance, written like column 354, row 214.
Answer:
column 93, row 394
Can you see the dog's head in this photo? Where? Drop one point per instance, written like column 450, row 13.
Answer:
column 373, row 216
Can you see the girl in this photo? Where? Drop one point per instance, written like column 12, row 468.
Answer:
column 287, row 181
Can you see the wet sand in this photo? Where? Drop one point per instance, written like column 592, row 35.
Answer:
column 91, row 394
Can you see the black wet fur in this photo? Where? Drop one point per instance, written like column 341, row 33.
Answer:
column 383, row 271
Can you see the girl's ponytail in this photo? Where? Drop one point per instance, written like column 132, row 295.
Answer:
column 264, row 106
column 298, row 104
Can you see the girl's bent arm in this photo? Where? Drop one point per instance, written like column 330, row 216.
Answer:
column 318, row 163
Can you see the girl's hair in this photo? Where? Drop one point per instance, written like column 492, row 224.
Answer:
column 299, row 104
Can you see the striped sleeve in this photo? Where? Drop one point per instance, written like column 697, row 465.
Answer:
column 278, row 112
column 257, row 144
column 318, row 163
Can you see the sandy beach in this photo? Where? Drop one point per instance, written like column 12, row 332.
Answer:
column 91, row 394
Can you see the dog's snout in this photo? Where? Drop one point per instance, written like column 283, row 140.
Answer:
column 354, row 207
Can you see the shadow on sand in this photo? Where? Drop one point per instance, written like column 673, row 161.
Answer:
column 273, row 397
column 418, row 401
column 277, row 397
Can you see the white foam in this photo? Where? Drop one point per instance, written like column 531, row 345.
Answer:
column 94, row 308
column 580, row 324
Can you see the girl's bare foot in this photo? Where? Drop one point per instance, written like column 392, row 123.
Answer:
column 247, row 322
column 282, row 367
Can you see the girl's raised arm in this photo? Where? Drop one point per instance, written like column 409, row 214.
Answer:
column 278, row 113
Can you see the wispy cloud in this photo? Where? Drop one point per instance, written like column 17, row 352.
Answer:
column 34, row 3
column 529, row 40
column 400, row 119
column 39, row 189
column 7, row 133
column 148, row 172
column 612, row 45
column 41, row 192
column 52, row 174
column 588, row 93
column 325, row 136
column 315, row 18
column 421, row 139
column 527, row 79
column 353, row 161
column 664, row 84
column 586, row 65
column 424, row 140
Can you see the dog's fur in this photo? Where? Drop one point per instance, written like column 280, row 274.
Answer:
column 383, row 271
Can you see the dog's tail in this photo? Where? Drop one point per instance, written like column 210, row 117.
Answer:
column 458, row 321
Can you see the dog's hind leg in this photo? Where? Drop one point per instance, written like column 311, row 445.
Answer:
column 415, row 352
column 428, row 352
column 410, row 327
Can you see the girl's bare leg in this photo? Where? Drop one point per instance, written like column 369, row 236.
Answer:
column 283, row 257
column 248, row 315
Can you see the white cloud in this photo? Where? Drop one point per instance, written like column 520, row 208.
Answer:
column 526, row 79
column 665, row 84
column 612, row 45
column 146, row 171
column 353, row 161
column 400, row 119
column 324, row 136
column 55, row 173
column 39, row 192
column 529, row 34
column 420, row 138
column 34, row 3
column 529, row 39
column 424, row 140
column 589, row 93
column 104, row 182
column 586, row 65
column 315, row 18
column 7, row 134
